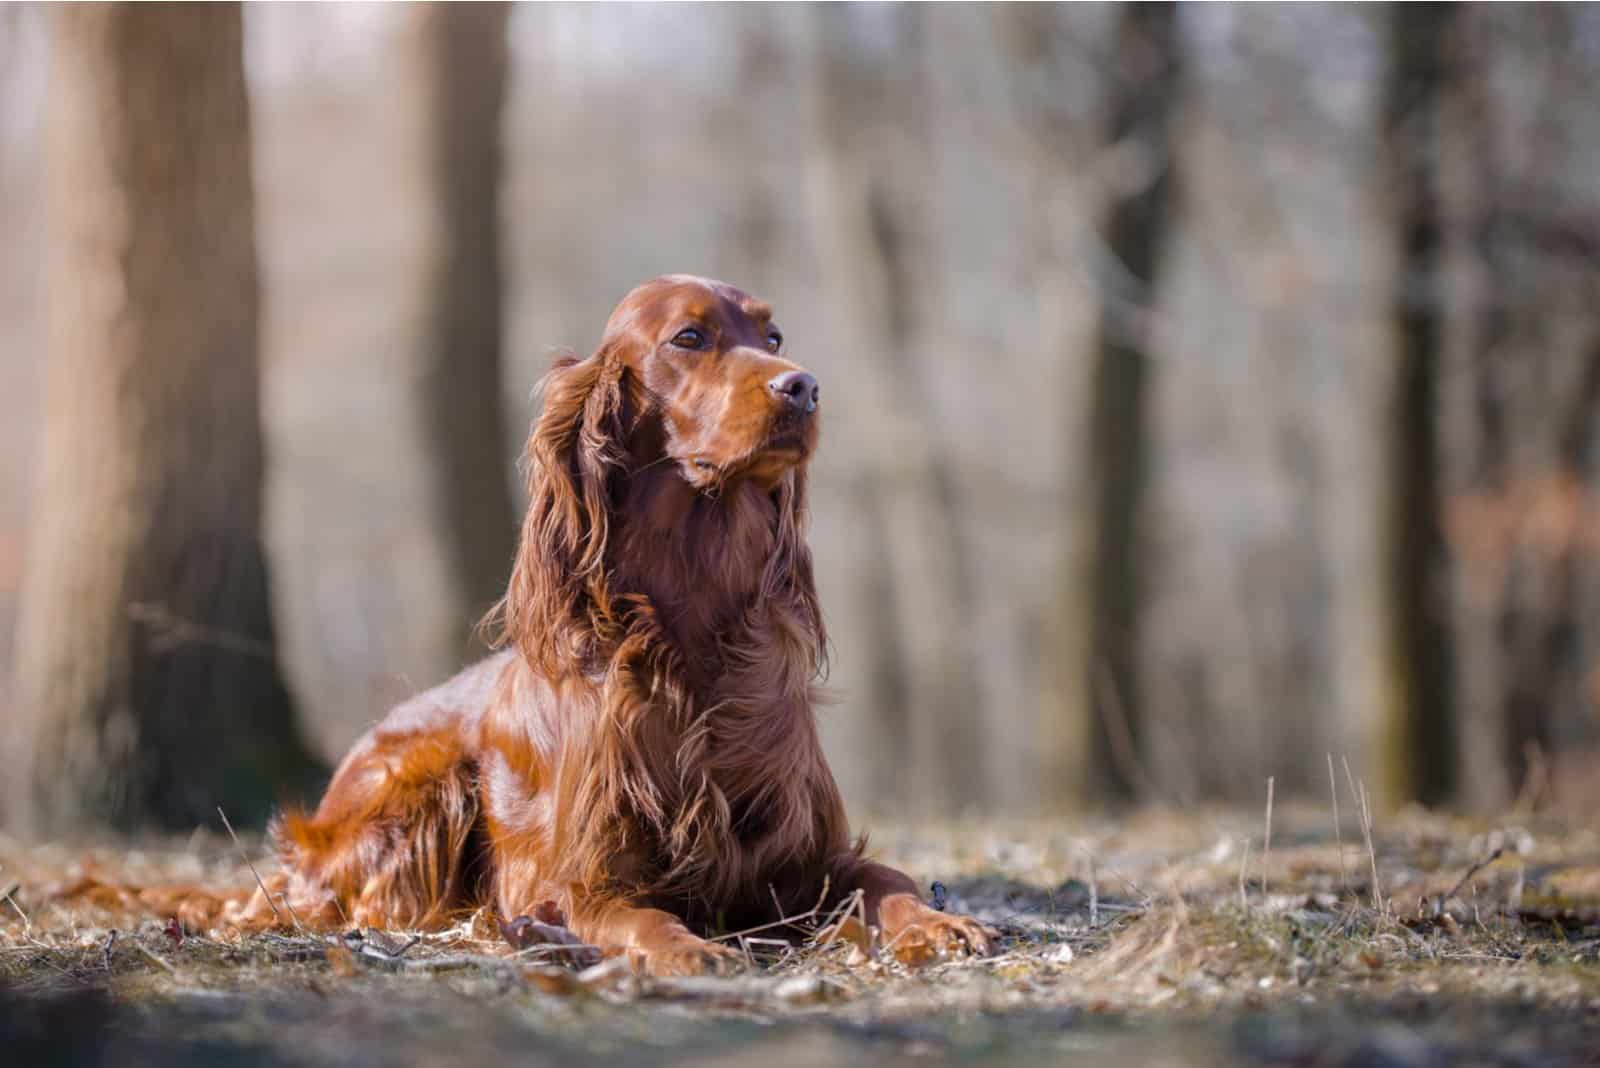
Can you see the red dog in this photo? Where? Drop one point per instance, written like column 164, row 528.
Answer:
column 645, row 754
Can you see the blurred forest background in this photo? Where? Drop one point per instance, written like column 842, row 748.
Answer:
column 1210, row 389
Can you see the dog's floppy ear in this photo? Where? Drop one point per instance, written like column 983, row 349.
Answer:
column 788, row 574
column 557, row 608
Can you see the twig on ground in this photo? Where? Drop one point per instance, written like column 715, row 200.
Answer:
column 840, row 912
column 1145, row 899
column 403, row 950
column 783, row 920
column 154, row 959
column 1438, row 905
column 27, row 924
column 259, row 881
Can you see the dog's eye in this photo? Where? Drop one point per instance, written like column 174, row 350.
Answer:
column 689, row 339
column 774, row 340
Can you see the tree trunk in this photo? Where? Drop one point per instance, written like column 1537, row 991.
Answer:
column 1141, row 107
column 462, row 55
column 146, row 669
column 1521, row 395
column 1418, row 754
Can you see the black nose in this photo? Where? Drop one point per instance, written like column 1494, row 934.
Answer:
column 798, row 388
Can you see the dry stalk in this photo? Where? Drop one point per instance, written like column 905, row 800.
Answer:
column 1465, row 879
column 1094, row 894
column 786, row 921
column 841, row 911
column 154, row 959
column 259, row 881
column 1244, row 860
column 1360, row 793
column 1338, row 832
column 1372, row 852
column 1266, row 845
column 27, row 924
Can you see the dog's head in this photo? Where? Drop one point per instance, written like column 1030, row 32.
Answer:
column 706, row 361
column 690, row 381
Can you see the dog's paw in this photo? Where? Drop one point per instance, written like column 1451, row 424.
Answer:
column 917, row 934
column 686, row 955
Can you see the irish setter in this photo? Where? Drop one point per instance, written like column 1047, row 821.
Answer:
column 643, row 753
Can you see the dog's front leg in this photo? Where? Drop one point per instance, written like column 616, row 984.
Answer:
column 655, row 942
column 892, row 904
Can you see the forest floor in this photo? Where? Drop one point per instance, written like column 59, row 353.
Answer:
column 1157, row 938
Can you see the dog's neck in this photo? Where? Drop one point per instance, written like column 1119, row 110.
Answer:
column 699, row 557
column 749, row 654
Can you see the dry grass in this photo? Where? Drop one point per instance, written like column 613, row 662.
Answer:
column 1135, row 939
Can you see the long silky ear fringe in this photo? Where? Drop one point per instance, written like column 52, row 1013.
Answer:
column 788, row 573
column 557, row 608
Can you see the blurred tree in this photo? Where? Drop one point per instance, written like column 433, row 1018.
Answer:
column 1520, row 298
column 1418, row 751
column 1142, row 99
column 146, row 668
column 461, row 56
column 1492, row 569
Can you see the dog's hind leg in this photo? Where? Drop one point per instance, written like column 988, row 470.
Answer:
column 390, row 846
